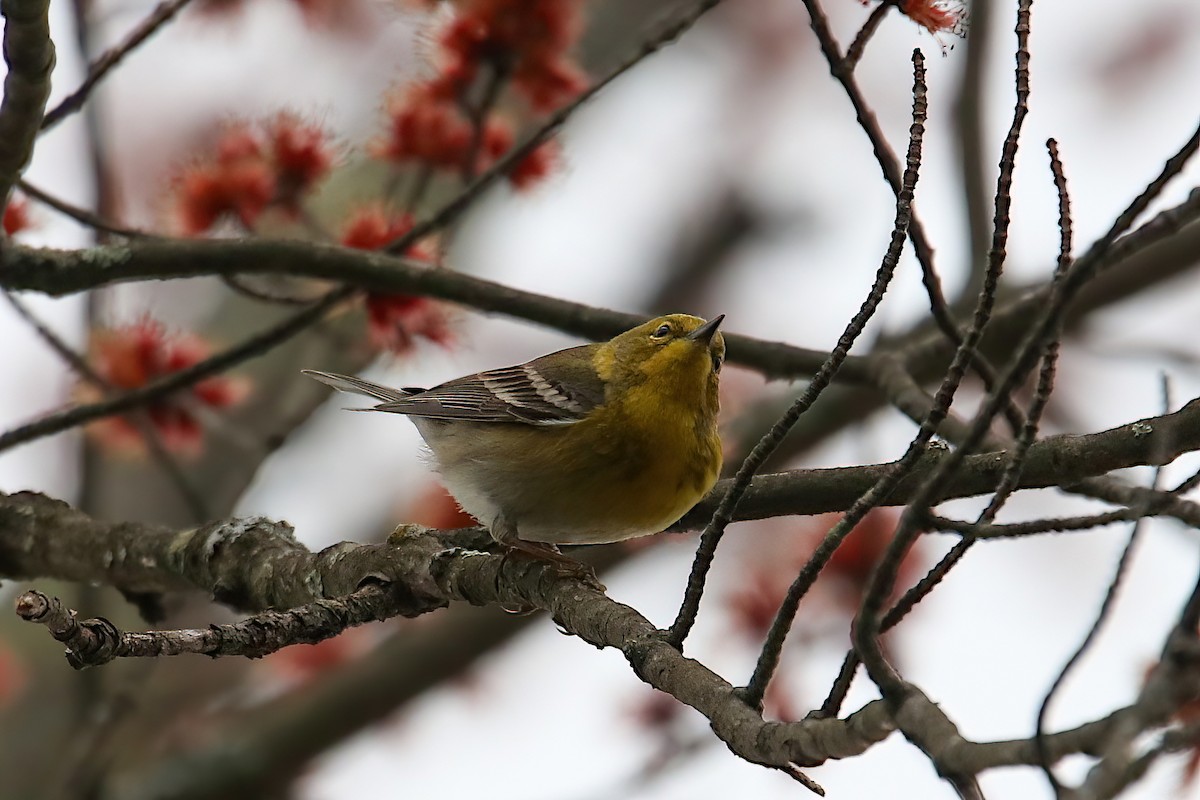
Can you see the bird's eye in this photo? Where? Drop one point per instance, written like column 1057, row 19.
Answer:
column 717, row 361
column 662, row 332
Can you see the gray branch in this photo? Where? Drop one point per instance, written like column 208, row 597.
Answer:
column 29, row 54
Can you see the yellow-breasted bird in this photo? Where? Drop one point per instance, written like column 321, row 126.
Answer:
column 591, row 444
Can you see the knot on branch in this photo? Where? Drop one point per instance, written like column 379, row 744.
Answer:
column 89, row 643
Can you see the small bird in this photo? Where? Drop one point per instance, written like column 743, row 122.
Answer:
column 592, row 444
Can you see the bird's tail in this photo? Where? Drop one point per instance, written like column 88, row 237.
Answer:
column 346, row 383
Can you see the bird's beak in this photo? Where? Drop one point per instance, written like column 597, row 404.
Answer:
column 705, row 332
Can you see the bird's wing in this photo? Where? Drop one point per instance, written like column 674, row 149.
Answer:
column 556, row 389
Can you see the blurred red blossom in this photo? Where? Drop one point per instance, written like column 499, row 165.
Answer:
column 427, row 129
column 302, row 156
column 12, row 676
column 434, row 507
column 16, row 215
column 424, row 128
column 529, row 39
column 656, row 711
column 431, row 123
column 132, row 356
column 253, row 167
column 536, row 166
column 937, row 16
column 303, row 662
column 238, row 182
column 396, row 321
column 771, row 571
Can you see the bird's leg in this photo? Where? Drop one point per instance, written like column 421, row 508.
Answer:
column 505, row 534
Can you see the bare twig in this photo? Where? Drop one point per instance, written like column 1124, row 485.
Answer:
column 78, row 364
column 1110, row 596
column 665, row 35
column 80, row 215
column 1015, row 460
column 59, row 272
column 144, row 395
column 857, row 47
column 890, row 167
column 713, row 532
column 964, row 355
column 93, row 642
column 99, row 68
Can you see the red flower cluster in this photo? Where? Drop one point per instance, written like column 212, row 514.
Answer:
column 255, row 166
column 937, row 16
column 432, row 130
column 528, row 39
column 16, row 215
column 846, row 575
column 133, row 356
column 434, row 507
column 396, row 321
column 525, row 40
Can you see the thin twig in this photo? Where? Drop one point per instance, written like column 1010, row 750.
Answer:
column 715, row 529
column 140, row 419
column 1011, row 477
column 93, row 642
column 80, row 215
column 238, row 284
column 477, row 114
column 108, row 60
column 867, row 622
column 857, row 47
column 768, row 659
column 667, row 34
column 136, row 398
column 1110, row 596
column 890, row 166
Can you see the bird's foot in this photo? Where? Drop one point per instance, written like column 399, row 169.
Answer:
column 562, row 564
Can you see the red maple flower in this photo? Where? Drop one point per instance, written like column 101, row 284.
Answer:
column 656, row 710
column 549, row 82
column 302, row 157
column 254, row 167
column 527, row 41
column 856, row 557
column 436, row 508
column 425, row 128
column 396, row 321
column 239, row 182
column 531, row 38
column 131, row 357
column 937, row 16
column 536, row 166
column 16, row 215
column 756, row 600
column 373, row 227
column 303, row 662
column 13, row 675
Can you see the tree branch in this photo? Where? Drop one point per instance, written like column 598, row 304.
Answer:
column 110, row 58
column 93, row 642
column 62, row 272
column 29, row 54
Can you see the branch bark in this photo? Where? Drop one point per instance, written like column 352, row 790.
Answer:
column 29, row 54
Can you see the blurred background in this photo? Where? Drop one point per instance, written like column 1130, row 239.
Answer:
column 724, row 175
